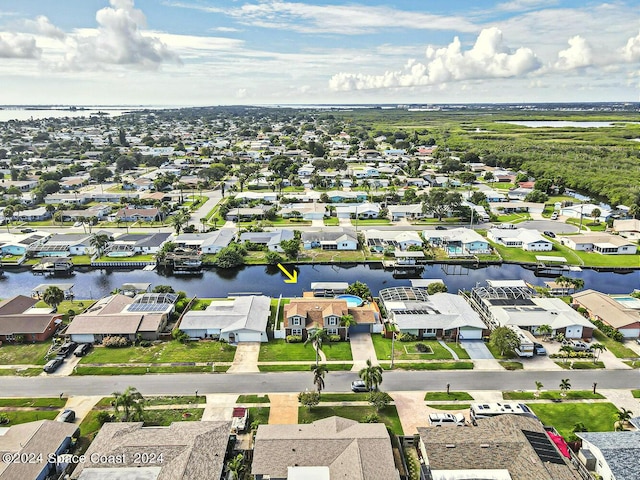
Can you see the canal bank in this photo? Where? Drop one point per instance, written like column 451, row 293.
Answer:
column 95, row 283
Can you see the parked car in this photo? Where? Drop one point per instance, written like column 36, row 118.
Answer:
column 67, row 416
column 82, row 349
column 77, row 224
column 554, row 216
column 27, row 230
column 52, row 365
column 440, row 227
column 580, row 347
column 67, row 348
column 539, row 349
column 442, row 419
column 359, row 386
column 549, row 234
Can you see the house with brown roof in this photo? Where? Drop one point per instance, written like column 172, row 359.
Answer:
column 333, row 447
column 510, row 447
column 612, row 311
column 308, row 313
column 34, row 440
column 181, row 451
column 19, row 318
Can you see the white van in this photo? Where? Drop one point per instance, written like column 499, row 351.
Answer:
column 442, row 419
column 478, row 411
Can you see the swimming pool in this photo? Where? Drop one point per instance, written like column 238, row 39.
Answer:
column 352, row 300
column 119, row 254
column 628, row 302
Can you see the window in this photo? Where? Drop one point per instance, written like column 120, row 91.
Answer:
column 333, row 321
column 296, row 321
column 332, row 331
column 296, row 331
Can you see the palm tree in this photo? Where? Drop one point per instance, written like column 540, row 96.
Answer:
column 565, row 386
column 539, row 385
column 317, row 337
column 235, row 466
column 99, row 241
column 567, row 350
column 597, row 349
column 131, row 402
column 545, row 330
column 53, row 297
column 178, row 222
column 371, row 375
column 624, row 415
column 347, row 321
column 595, row 214
column 8, row 214
column 319, row 371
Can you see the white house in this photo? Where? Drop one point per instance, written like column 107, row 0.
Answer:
column 529, row 240
column 381, row 239
column 330, row 239
column 603, row 243
column 459, row 241
column 613, row 452
column 362, row 211
column 585, row 210
column 412, row 212
column 270, row 239
column 242, row 319
column 210, row 242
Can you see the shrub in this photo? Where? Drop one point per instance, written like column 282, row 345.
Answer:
column 115, row 342
column 145, row 343
column 294, row 339
column 371, row 418
column 608, row 331
column 334, row 338
column 104, row 417
column 4, row 419
column 422, row 348
column 406, row 337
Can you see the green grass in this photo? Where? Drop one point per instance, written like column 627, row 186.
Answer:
column 430, row 366
column 580, row 365
column 635, row 393
column 90, row 424
column 281, row 351
column 53, row 402
column 596, row 417
column 25, row 416
column 259, row 415
column 633, row 363
column 78, row 306
column 403, row 350
column 496, row 353
column 388, row 415
column 372, row 221
column 175, row 400
column 134, row 258
column 461, row 352
column 253, row 399
column 29, row 354
column 449, row 406
column 319, row 255
column 291, row 367
column 165, row 352
column 344, row 397
column 81, row 259
column 165, row 418
column 552, row 395
column 507, row 365
column 20, row 372
column 332, row 221
column 444, row 396
column 617, row 348
column 82, row 370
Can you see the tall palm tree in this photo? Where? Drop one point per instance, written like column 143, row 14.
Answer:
column 371, row 375
column 624, row 415
column 99, row 241
column 131, row 402
column 565, row 386
column 318, row 337
column 53, row 297
column 178, row 221
column 347, row 321
column 545, row 330
column 597, row 349
column 319, row 371
column 8, row 214
column 567, row 350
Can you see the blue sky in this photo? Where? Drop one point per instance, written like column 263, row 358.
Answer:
column 210, row 52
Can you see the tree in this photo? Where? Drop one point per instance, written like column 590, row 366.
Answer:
column 597, row 349
column 53, row 297
column 131, row 402
column 379, row 400
column 436, row 287
column 545, row 330
column 536, row 196
column 8, row 215
column 595, row 214
column 318, row 337
column 504, row 339
column 229, row 257
column 347, row 321
column 309, row 399
column 235, row 466
column 567, row 350
column 291, row 248
column 623, row 415
column 100, row 174
column 178, row 221
column 539, row 385
column 371, row 375
column 98, row 242
column 273, row 258
column 359, row 289
column 319, row 371
column 565, row 386
column 180, row 336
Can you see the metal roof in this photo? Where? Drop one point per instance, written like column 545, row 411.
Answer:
column 403, row 293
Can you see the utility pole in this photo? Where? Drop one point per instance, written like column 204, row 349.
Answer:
column 393, row 344
column 581, row 214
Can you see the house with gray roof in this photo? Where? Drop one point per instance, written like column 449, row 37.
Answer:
column 32, row 440
column 333, row 447
column 210, row 242
column 505, row 447
column 616, row 453
column 181, row 451
column 240, row 319
column 270, row 239
column 328, row 238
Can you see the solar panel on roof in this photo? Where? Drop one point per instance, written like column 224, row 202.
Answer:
column 147, row 307
column 543, row 447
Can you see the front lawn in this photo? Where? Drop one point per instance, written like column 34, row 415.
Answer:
column 281, row 351
column 449, row 406
column 25, row 416
column 580, row 365
column 19, row 354
column 552, row 395
column 54, row 402
column 617, row 348
column 296, row 367
column 507, row 365
column 344, row 397
column 142, row 370
column 165, row 418
column 407, row 350
column 496, row 353
column 258, row 416
column 20, row 372
column 253, row 399
column 596, row 417
column 174, row 400
column 460, row 365
column 444, row 396
column 164, row 352
column 388, row 415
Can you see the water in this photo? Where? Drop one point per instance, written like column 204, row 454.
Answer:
column 563, row 124
column 20, row 113
column 270, row 281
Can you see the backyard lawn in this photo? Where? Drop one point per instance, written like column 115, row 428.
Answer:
column 408, row 351
column 388, row 415
column 33, row 354
column 281, row 351
column 165, row 352
column 596, row 417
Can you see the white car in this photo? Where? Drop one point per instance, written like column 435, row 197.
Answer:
column 77, row 224
column 441, row 419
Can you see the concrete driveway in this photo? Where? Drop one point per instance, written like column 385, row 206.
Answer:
column 555, row 226
column 476, row 349
column 219, row 406
column 81, row 405
column 362, row 350
column 246, row 358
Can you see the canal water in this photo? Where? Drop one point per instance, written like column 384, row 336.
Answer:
column 270, row 281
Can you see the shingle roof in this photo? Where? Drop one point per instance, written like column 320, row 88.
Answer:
column 249, row 312
column 350, row 449
column 621, row 451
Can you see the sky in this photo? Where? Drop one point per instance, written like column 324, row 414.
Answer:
column 280, row 52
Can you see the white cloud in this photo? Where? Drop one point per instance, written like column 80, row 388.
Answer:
column 519, row 5
column 341, row 19
column 241, row 93
column 631, row 50
column 119, row 41
column 42, row 26
column 18, row 46
column 578, row 55
column 225, row 29
column 488, row 58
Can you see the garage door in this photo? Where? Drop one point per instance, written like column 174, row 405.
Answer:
column 360, row 328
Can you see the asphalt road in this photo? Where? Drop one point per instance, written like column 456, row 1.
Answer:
column 186, row 384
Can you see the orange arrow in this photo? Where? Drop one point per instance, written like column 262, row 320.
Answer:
column 293, row 278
